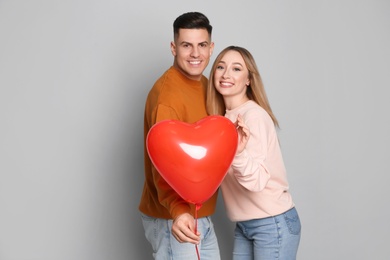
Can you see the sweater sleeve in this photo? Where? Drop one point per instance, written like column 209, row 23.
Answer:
column 166, row 195
column 249, row 166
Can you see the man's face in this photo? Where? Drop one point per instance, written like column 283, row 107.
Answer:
column 192, row 50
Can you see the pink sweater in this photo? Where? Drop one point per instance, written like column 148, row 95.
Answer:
column 256, row 184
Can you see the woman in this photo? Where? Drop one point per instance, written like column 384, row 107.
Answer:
column 255, row 189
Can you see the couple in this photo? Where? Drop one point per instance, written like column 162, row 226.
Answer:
column 255, row 189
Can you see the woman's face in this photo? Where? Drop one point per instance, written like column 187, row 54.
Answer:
column 231, row 76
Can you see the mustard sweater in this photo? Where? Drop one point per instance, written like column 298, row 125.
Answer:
column 173, row 96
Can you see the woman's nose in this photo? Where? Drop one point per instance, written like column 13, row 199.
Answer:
column 225, row 75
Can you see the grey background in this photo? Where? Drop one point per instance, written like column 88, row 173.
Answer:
column 73, row 79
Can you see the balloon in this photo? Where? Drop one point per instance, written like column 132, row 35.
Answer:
column 193, row 158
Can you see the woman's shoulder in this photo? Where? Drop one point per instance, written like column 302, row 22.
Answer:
column 255, row 113
column 251, row 107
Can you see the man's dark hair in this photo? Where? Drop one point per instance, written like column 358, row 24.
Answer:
column 192, row 20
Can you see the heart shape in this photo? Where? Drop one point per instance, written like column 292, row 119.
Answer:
column 193, row 158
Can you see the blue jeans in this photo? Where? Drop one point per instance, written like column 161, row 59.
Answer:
column 166, row 247
column 268, row 238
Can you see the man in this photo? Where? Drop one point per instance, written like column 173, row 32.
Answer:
column 179, row 94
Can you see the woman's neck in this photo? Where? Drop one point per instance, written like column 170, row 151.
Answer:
column 233, row 102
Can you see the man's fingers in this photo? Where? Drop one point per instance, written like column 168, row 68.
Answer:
column 186, row 235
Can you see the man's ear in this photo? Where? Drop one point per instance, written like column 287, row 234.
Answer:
column 211, row 48
column 173, row 48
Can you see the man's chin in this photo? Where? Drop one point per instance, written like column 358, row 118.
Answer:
column 195, row 72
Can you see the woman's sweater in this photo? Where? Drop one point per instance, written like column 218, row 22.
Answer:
column 256, row 184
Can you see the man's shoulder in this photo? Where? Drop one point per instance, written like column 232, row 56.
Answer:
column 170, row 80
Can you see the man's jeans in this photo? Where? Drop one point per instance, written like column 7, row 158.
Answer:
column 166, row 247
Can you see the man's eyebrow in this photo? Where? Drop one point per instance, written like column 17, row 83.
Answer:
column 184, row 42
column 205, row 42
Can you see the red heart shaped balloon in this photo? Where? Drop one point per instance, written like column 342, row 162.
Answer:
column 193, row 158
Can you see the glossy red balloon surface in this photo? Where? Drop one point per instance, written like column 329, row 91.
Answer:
column 193, row 158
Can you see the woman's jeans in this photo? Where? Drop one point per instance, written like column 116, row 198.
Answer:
column 166, row 247
column 268, row 238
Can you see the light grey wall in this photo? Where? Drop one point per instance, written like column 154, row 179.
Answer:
column 73, row 79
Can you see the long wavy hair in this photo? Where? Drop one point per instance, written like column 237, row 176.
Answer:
column 255, row 91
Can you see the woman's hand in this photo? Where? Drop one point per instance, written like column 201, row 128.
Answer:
column 243, row 134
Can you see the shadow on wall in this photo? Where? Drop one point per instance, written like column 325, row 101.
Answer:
column 224, row 229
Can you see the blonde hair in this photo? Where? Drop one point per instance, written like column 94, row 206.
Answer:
column 255, row 91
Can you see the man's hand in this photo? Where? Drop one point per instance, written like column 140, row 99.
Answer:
column 183, row 229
